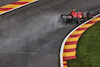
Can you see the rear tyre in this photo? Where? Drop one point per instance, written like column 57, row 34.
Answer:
column 63, row 18
column 75, row 20
column 66, row 18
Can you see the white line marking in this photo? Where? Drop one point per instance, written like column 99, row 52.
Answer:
column 62, row 47
column 18, row 7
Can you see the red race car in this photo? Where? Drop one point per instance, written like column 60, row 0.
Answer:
column 76, row 17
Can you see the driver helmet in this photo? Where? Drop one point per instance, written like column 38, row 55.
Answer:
column 74, row 9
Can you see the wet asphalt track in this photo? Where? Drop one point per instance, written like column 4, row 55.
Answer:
column 32, row 36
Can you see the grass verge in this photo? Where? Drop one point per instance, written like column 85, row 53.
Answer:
column 88, row 48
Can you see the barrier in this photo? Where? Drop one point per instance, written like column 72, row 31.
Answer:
column 15, row 5
column 68, row 48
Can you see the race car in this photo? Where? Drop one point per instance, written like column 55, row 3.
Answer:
column 76, row 17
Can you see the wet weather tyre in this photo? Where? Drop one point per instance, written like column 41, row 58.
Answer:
column 63, row 18
column 89, row 15
column 75, row 20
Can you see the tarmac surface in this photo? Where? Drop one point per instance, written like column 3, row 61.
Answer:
column 32, row 36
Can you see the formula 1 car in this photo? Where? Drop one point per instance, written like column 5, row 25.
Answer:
column 76, row 17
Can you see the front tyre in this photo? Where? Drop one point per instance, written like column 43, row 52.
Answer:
column 89, row 15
